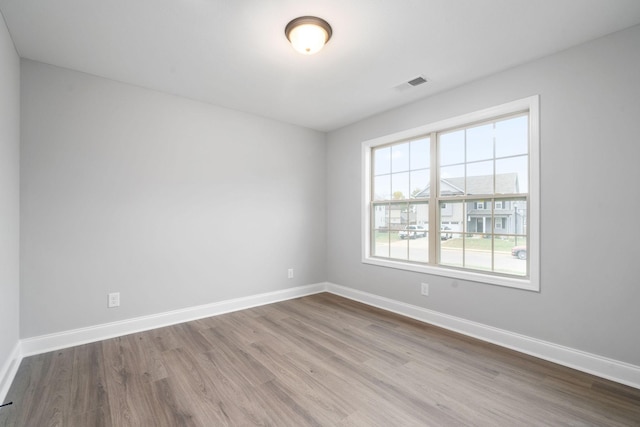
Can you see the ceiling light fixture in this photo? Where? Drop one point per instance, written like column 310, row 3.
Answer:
column 308, row 34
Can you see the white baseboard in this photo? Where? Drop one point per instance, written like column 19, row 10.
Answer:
column 8, row 371
column 45, row 343
column 603, row 367
column 597, row 365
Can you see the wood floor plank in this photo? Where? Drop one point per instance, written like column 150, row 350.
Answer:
column 331, row 407
column 368, row 400
column 54, row 387
column 203, row 399
column 240, row 360
column 147, row 355
column 238, row 390
column 99, row 417
column 129, row 390
column 89, row 397
column 320, row 360
column 23, row 387
column 333, row 324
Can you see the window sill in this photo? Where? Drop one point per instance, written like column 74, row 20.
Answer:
column 472, row 276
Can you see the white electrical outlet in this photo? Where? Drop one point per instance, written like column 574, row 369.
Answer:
column 424, row 288
column 290, row 273
column 114, row 300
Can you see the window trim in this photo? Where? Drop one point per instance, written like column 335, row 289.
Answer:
column 532, row 282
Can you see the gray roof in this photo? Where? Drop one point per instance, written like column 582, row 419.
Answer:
column 506, row 183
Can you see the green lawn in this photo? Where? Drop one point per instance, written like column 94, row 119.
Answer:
column 383, row 236
column 477, row 243
column 480, row 243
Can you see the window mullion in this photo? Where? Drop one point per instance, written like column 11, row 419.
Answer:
column 434, row 214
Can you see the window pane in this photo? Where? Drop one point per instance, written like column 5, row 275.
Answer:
column 381, row 243
column 480, row 178
column 499, row 222
column 519, row 208
column 420, row 183
column 512, row 136
column 421, row 213
column 420, row 154
column 478, row 216
column 419, row 249
column 509, row 216
column 477, row 251
column 451, row 250
column 382, row 161
column 382, row 187
column 510, row 255
column 400, row 186
column 400, row 157
column 452, row 181
column 419, row 245
column 381, row 216
column 452, row 216
column 480, row 143
column 452, row 148
column 398, row 217
column 381, row 230
column 512, row 175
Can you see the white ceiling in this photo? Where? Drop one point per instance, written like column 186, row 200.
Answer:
column 233, row 53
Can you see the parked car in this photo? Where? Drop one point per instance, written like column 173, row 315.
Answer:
column 519, row 251
column 445, row 235
column 412, row 232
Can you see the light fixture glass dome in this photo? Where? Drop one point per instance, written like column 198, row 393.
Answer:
column 308, row 34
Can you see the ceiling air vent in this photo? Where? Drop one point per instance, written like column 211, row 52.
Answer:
column 417, row 81
column 411, row 84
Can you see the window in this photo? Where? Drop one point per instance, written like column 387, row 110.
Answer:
column 455, row 197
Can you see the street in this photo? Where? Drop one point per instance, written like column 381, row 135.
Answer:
column 418, row 250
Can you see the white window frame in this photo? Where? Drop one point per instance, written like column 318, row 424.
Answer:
column 532, row 282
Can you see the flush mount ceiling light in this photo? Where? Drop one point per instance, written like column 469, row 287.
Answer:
column 308, row 34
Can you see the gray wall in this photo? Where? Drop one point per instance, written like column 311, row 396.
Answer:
column 590, row 128
column 9, row 194
column 175, row 203
column 171, row 202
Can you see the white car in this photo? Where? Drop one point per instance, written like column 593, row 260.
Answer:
column 412, row 232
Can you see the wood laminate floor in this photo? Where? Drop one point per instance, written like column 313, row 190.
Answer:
column 320, row 360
